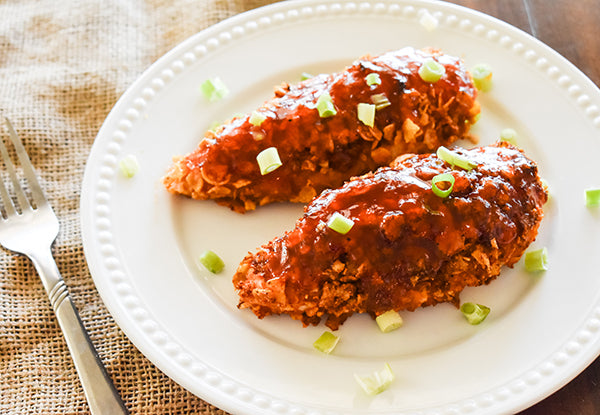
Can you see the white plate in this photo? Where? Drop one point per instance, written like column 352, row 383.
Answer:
column 141, row 243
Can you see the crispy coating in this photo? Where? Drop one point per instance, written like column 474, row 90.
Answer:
column 408, row 248
column 319, row 153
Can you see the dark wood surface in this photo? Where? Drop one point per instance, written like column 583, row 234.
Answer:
column 572, row 29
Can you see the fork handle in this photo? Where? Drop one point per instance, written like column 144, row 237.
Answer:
column 102, row 397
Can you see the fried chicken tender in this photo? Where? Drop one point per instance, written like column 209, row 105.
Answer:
column 322, row 152
column 408, row 248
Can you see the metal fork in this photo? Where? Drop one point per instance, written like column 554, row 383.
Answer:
column 29, row 226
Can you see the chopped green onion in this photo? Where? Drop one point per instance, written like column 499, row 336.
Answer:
column 211, row 262
column 373, row 79
column 482, row 77
column 376, row 382
column 546, row 187
column 366, row 113
column 455, row 159
column 388, row 321
column 536, row 260
column 268, row 160
column 214, row 89
column 340, row 223
column 444, row 178
column 257, row 135
column 325, row 106
column 256, row 118
column 128, row 166
column 474, row 313
column 428, row 21
column 431, row 71
column 380, row 101
column 509, row 135
column 305, row 75
column 326, row 342
column 592, row 197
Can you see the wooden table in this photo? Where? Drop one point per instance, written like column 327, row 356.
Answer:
column 571, row 28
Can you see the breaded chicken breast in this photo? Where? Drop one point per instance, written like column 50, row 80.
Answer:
column 320, row 150
column 407, row 248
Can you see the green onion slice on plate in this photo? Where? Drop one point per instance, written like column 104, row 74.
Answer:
column 268, row 160
column 214, row 89
column 340, row 223
column 474, row 313
column 536, row 260
column 455, row 159
column 592, row 197
column 366, row 114
column 381, row 101
column 431, row 71
column 376, row 382
column 373, row 79
column 129, row 166
column 389, row 321
column 442, row 178
column 326, row 342
column 325, row 106
column 256, row 118
column 211, row 261
column 482, row 77
column 509, row 135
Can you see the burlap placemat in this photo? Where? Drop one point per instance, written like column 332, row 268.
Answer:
column 63, row 65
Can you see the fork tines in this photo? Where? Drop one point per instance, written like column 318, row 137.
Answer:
column 17, row 196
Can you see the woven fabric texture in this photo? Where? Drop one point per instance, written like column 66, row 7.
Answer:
column 63, row 66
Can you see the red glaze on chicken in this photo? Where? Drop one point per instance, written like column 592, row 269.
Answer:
column 408, row 248
column 320, row 153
